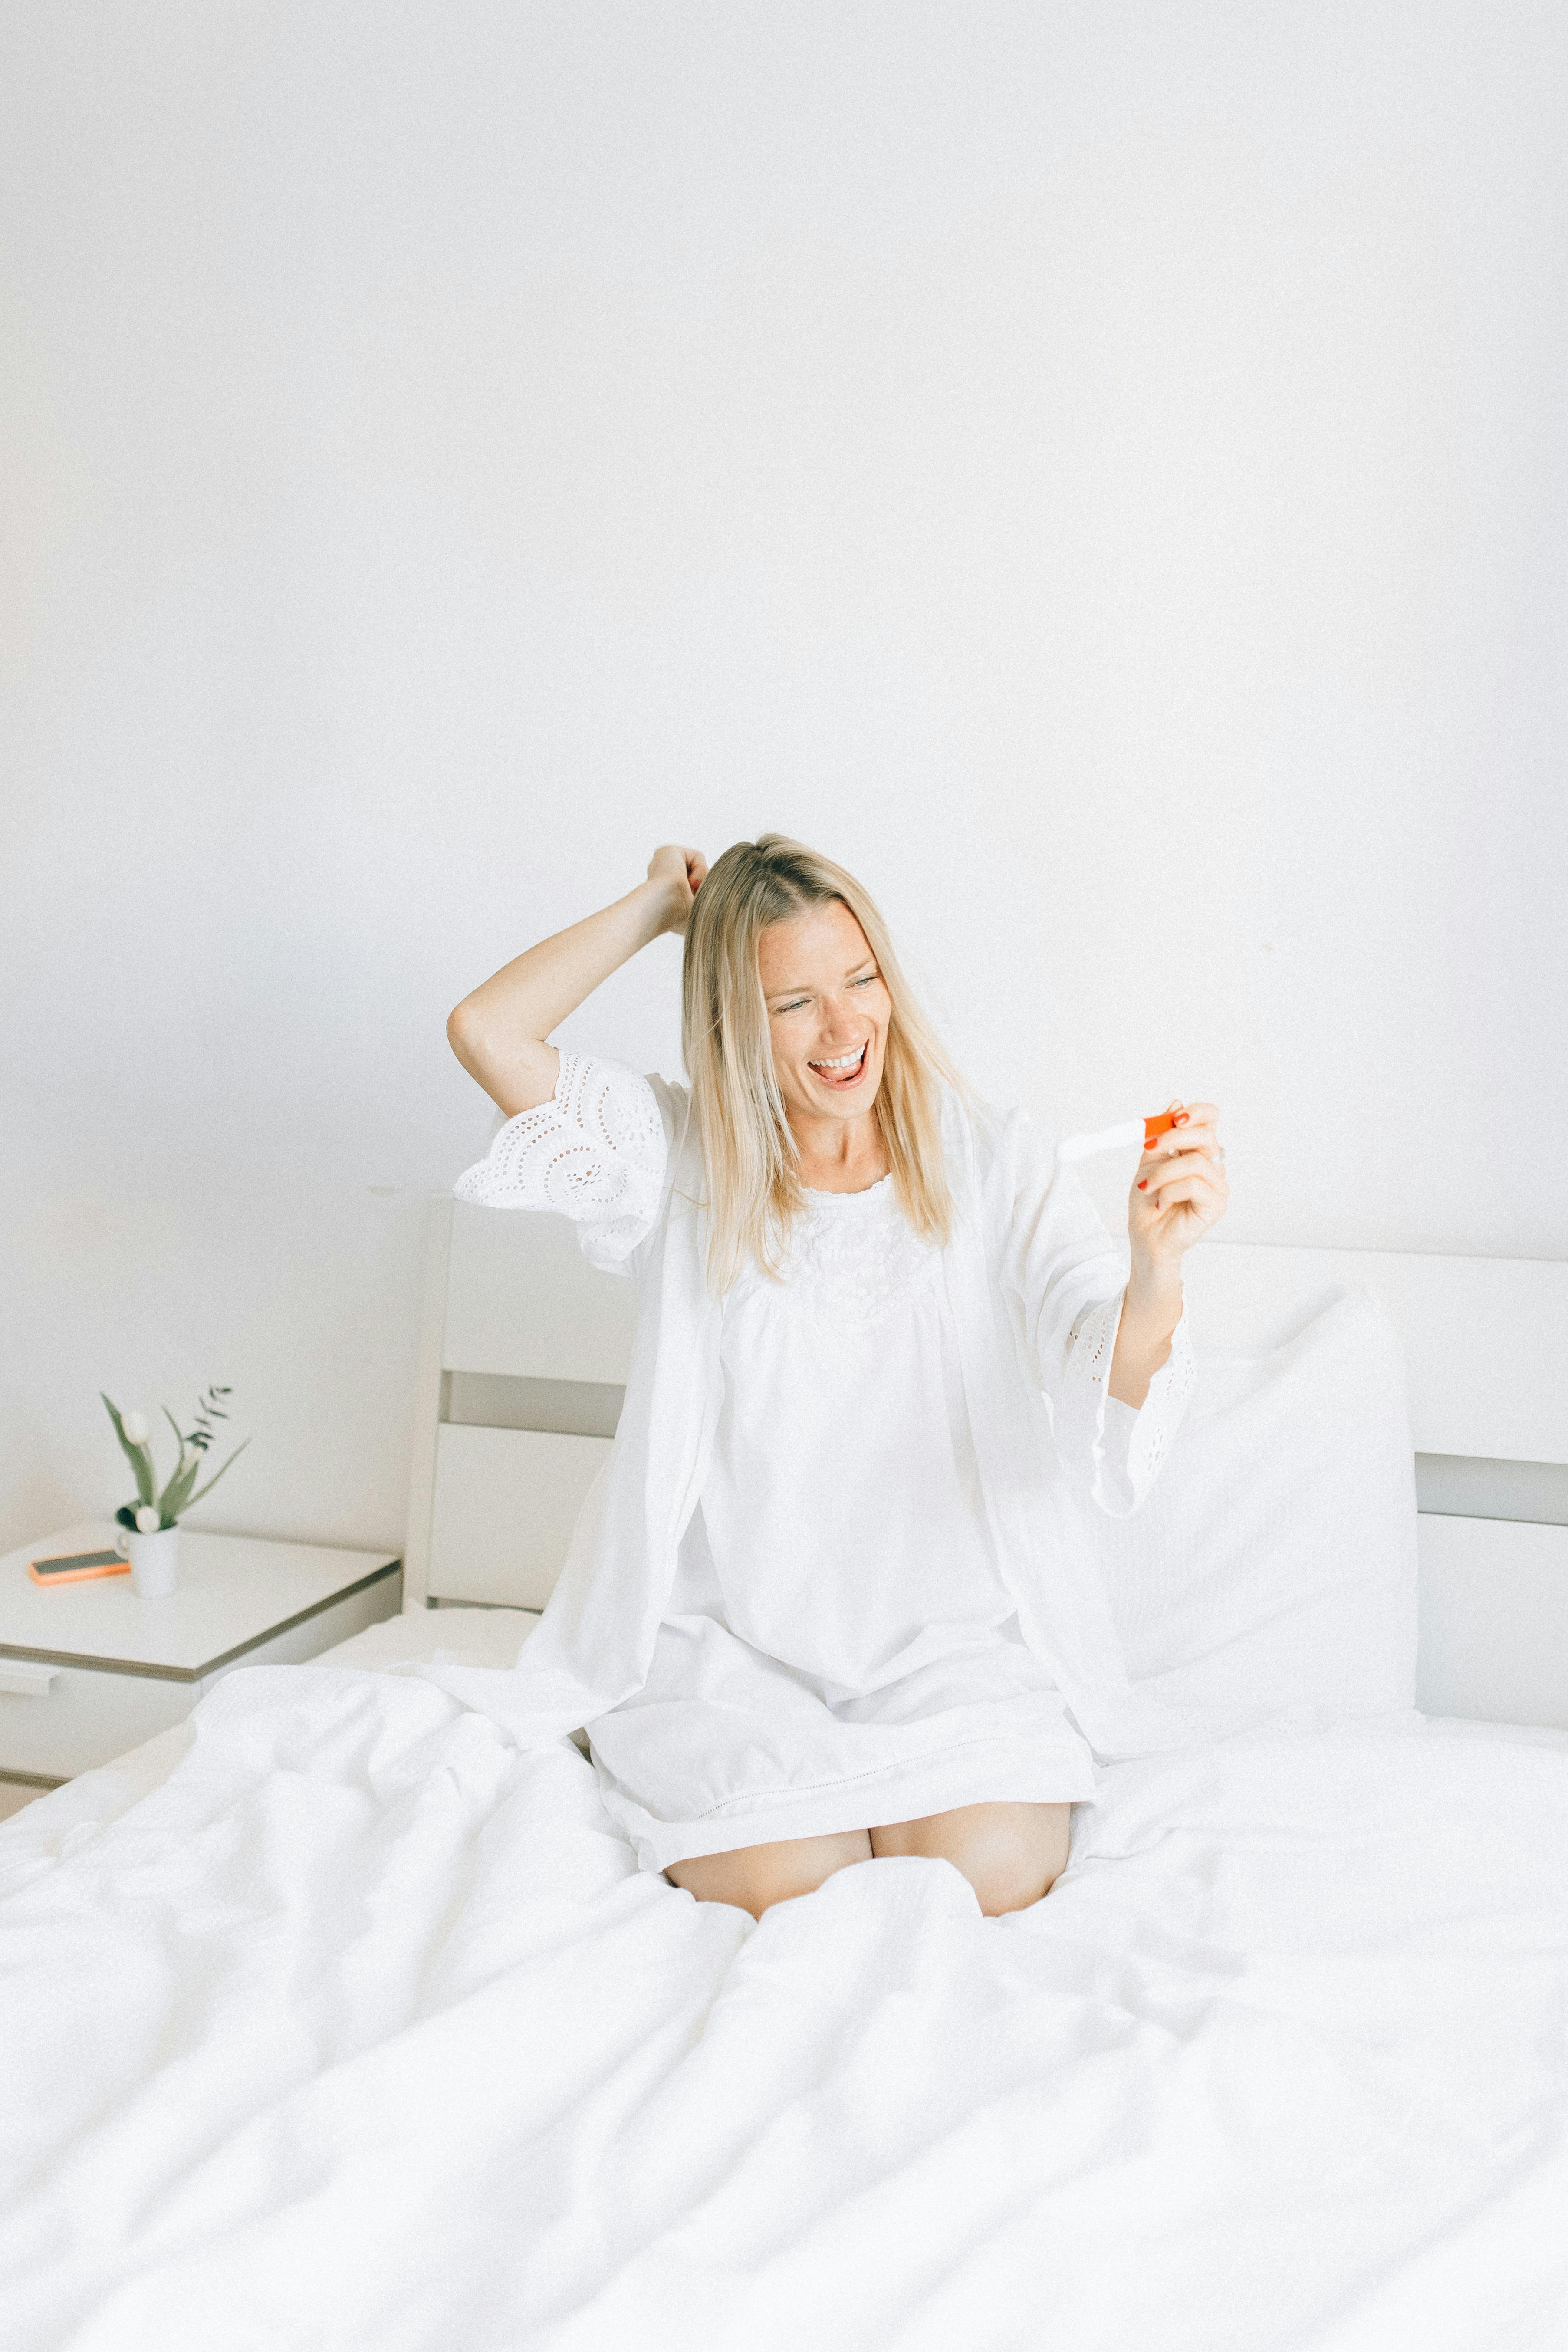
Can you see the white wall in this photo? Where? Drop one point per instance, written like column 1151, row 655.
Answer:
column 1096, row 470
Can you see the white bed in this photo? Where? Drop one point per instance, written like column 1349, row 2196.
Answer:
column 335, row 2022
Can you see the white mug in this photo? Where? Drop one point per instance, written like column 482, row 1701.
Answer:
column 154, row 1561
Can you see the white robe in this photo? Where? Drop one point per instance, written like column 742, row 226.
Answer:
column 839, row 1649
column 1035, row 1284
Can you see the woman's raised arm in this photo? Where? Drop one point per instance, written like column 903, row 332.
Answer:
column 499, row 1032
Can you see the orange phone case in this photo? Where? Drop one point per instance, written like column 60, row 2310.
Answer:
column 1153, row 1127
column 93, row 1563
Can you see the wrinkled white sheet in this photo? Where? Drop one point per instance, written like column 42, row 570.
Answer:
column 364, row 2031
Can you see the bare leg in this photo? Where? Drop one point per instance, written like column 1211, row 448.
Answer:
column 753, row 1876
column 1011, row 1854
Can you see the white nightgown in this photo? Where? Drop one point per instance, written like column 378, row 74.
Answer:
column 838, row 1649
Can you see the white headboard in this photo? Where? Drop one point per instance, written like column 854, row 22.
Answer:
column 524, row 1349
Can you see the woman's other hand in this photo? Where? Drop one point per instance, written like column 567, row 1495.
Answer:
column 1179, row 1191
column 684, row 871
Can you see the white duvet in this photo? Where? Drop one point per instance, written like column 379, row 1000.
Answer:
column 364, row 2031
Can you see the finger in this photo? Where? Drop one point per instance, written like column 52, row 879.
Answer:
column 1176, row 1215
column 1190, row 1116
column 1156, row 1166
column 1184, row 1118
column 1203, row 1188
column 1193, row 1164
column 1166, row 1148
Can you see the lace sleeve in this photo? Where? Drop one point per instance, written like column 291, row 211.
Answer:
column 1068, row 1279
column 595, row 1152
column 1119, row 1448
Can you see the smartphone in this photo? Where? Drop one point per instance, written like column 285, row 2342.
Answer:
column 74, row 1567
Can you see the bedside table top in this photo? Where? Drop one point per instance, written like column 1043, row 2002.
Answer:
column 235, row 1592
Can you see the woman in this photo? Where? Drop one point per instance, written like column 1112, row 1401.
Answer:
column 824, row 1605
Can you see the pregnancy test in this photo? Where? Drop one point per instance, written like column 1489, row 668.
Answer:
column 1142, row 1131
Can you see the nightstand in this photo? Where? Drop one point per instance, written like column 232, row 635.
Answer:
column 90, row 1670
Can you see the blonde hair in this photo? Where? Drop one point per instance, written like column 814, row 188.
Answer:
column 750, row 1155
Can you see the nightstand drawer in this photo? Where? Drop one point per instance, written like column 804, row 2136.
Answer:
column 81, row 1718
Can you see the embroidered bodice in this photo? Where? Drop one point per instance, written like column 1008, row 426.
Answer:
column 849, row 1256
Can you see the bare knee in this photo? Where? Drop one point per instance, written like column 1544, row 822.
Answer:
column 1018, row 1856
column 754, row 1877
column 1012, row 1855
column 1009, row 1880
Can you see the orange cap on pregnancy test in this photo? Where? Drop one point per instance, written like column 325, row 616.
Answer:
column 1117, row 1139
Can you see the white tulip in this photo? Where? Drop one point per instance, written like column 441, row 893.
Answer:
column 148, row 1521
column 135, row 1427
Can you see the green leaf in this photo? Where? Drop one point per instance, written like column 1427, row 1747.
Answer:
column 139, row 1456
column 177, row 1493
column 212, row 1482
column 178, row 1471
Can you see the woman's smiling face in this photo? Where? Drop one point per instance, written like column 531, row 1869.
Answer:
column 828, row 1009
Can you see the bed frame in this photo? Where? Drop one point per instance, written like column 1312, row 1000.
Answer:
column 523, row 1363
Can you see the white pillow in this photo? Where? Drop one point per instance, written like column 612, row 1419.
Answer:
column 1272, row 1564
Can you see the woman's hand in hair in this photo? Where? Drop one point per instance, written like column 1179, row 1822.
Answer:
column 684, row 871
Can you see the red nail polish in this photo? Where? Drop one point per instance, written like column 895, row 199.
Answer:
column 1143, row 1183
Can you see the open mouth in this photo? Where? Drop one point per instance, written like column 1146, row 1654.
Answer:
column 847, row 1070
